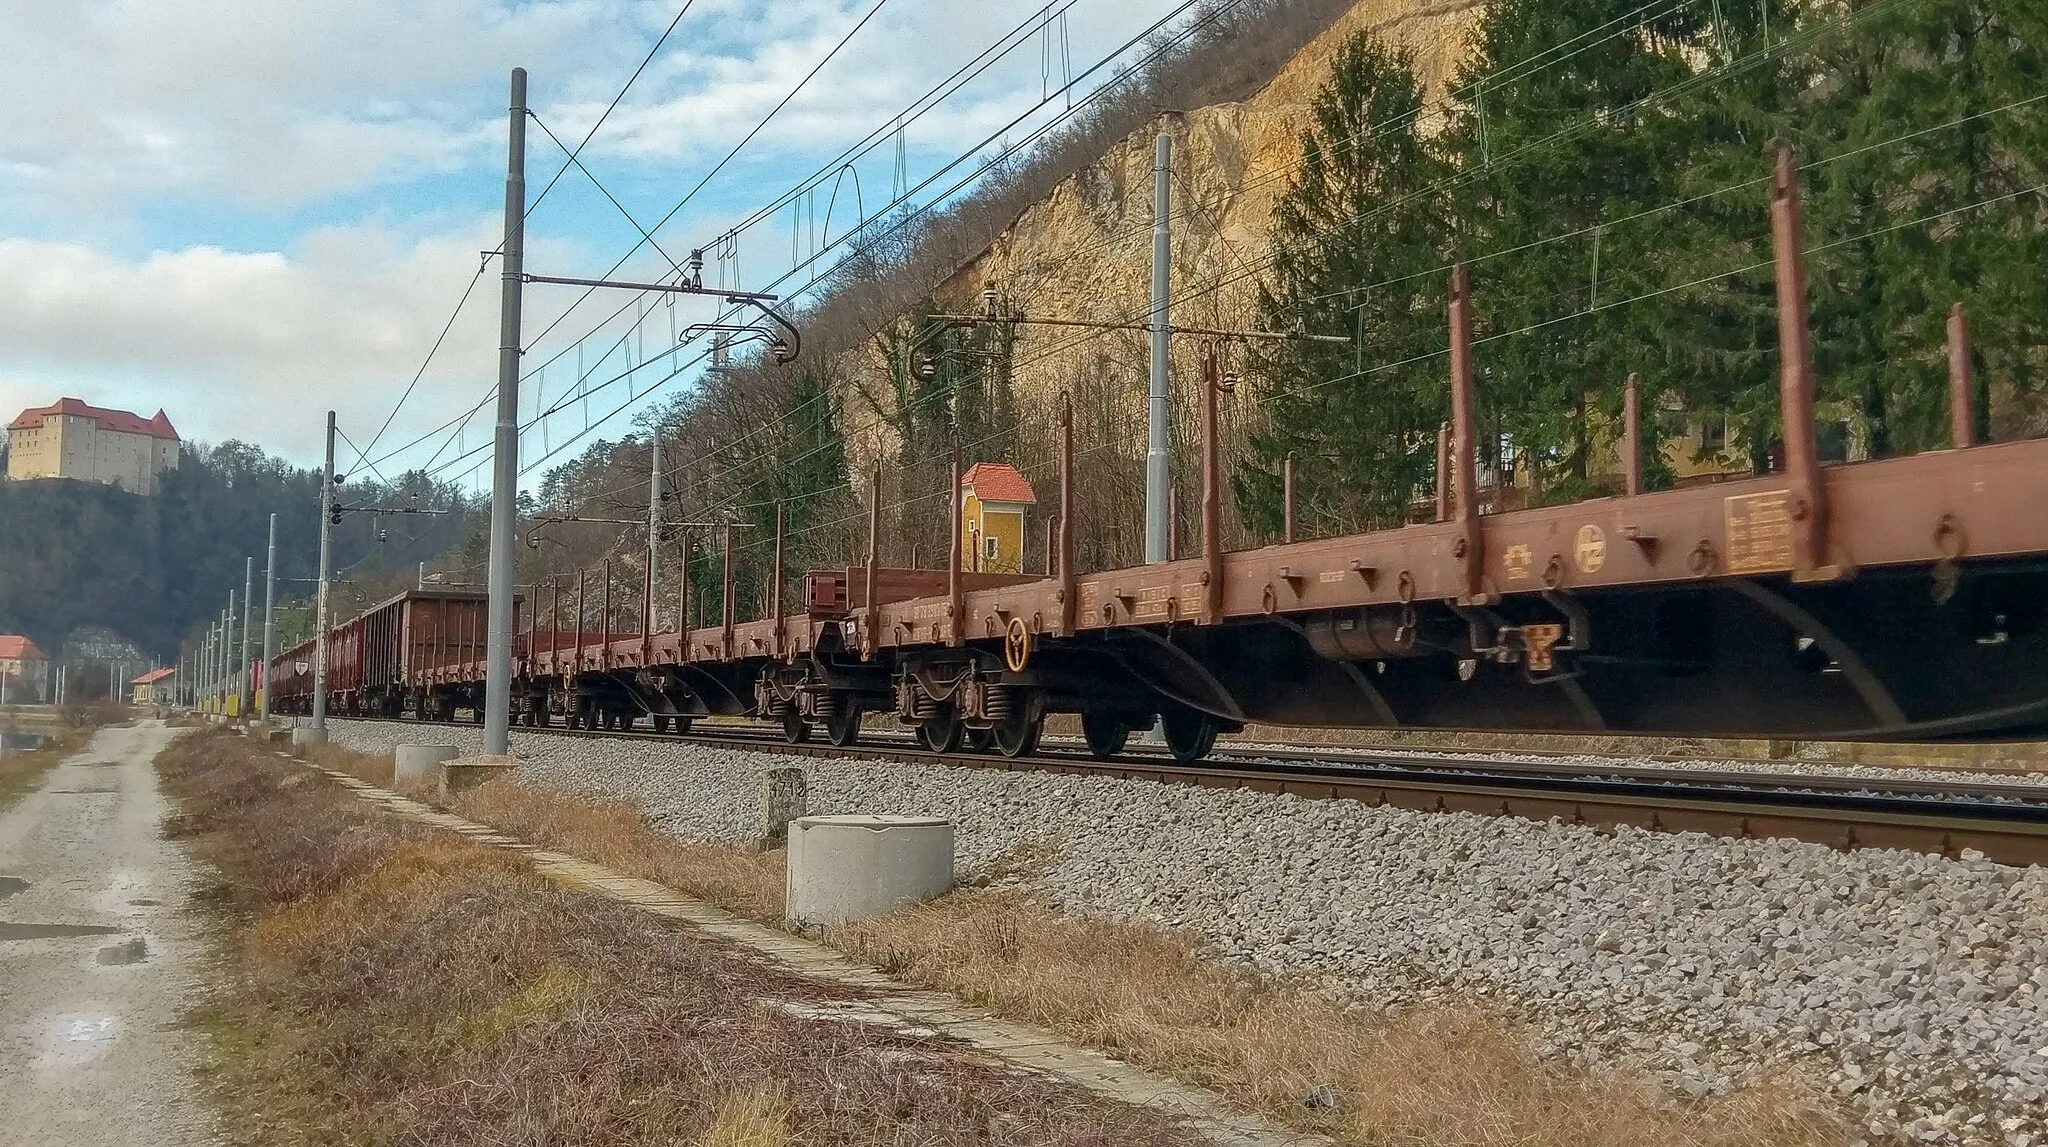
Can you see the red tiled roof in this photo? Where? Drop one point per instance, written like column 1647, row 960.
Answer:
column 118, row 420
column 14, row 647
column 153, row 676
column 998, row 482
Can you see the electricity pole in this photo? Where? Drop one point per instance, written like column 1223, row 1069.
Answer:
column 784, row 345
column 1157, row 474
column 269, row 622
column 318, row 733
column 653, row 524
column 248, row 607
column 505, row 450
column 227, row 660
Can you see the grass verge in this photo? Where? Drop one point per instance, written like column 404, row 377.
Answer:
column 389, row 983
column 1461, row 1076
column 21, row 773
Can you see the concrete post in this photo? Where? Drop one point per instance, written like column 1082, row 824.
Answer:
column 242, row 662
column 317, row 733
column 505, row 451
column 1157, row 411
column 269, row 623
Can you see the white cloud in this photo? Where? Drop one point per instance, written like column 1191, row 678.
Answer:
column 123, row 114
column 257, row 345
column 272, row 104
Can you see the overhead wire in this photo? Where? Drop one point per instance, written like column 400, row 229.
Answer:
column 1444, row 184
column 1604, row 306
column 756, row 130
column 1214, row 14
column 611, row 107
column 1007, row 149
column 482, row 264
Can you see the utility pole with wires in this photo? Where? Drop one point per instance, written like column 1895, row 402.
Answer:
column 505, row 447
column 655, row 497
column 782, row 339
column 242, row 664
column 1157, row 410
column 227, row 660
column 269, row 624
column 318, row 733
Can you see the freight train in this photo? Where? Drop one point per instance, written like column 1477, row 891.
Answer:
column 1894, row 598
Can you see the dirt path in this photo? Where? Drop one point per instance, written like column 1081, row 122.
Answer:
column 97, row 957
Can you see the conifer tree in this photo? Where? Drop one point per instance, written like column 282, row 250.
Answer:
column 1357, row 246
column 1917, row 102
column 1560, row 139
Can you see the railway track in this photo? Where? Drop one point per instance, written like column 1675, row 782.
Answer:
column 2004, row 822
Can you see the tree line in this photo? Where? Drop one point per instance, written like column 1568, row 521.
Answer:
column 157, row 570
column 1602, row 169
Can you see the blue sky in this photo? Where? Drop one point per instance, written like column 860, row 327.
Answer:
column 248, row 212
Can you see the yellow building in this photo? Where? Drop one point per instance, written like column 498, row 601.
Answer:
column 994, row 500
column 153, row 688
column 73, row 439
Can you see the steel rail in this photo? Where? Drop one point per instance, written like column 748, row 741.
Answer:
column 1752, row 806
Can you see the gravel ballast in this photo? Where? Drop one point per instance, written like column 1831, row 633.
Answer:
column 1914, row 987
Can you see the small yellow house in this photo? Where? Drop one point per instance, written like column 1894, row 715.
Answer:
column 152, row 688
column 994, row 499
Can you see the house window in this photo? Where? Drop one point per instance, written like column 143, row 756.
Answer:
column 989, row 546
column 1713, row 433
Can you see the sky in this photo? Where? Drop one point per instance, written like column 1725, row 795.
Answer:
column 248, row 212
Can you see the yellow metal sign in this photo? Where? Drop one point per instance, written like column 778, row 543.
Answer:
column 1590, row 549
column 1759, row 531
column 1516, row 560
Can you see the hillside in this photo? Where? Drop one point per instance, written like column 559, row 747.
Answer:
column 1085, row 250
column 156, row 571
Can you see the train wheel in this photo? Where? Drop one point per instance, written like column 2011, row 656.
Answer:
column 795, row 729
column 1017, row 736
column 660, row 723
column 977, row 740
column 1105, row 734
column 541, row 716
column 1189, row 735
column 843, row 727
column 627, row 721
column 941, row 734
column 682, row 725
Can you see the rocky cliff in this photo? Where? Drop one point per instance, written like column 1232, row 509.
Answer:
column 1084, row 252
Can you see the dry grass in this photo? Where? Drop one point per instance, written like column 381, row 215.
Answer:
column 1450, row 1077
column 612, row 833
column 375, row 768
column 393, row 984
column 22, row 773
column 757, row 1118
column 616, row 835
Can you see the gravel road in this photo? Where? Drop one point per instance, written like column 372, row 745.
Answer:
column 97, row 957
